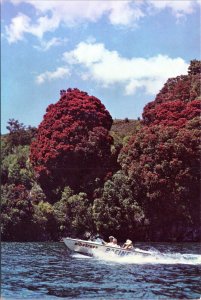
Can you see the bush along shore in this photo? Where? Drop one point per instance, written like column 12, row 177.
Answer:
column 81, row 172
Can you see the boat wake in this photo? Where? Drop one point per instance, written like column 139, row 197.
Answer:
column 154, row 257
column 78, row 255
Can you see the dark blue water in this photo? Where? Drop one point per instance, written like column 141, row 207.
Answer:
column 47, row 270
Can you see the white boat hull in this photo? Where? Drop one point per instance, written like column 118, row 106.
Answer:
column 94, row 249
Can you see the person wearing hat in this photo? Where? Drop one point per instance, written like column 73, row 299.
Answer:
column 128, row 245
column 111, row 238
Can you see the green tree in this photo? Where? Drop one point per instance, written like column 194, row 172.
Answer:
column 44, row 221
column 36, row 194
column 73, row 213
column 116, row 211
column 16, row 214
column 16, row 168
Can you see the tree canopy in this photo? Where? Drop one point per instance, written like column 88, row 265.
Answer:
column 178, row 101
column 72, row 145
column 163, row 165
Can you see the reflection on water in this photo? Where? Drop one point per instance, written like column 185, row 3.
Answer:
column 47, row 270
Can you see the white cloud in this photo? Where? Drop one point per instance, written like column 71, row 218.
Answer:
column 179, row 8
column 150, row 85
column 124, row 13
column 46, row 45
column 19, row 25
column 73, row 12
column 51, row 14
column 109, row 67
column 49, row 76
column 44, row 24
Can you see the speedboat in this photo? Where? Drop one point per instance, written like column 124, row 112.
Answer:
column 93, row 248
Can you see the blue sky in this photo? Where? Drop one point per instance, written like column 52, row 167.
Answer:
column 119, row 51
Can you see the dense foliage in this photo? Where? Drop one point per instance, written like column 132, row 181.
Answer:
column 178, row 101
column 76, row 174
column 72, row 145
column 15, row 212
column 116, row 211
column 19, row 134
column 163, row 166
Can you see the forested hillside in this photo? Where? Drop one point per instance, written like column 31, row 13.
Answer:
column 81, row 172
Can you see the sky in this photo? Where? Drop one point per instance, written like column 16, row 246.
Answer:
column 121, row 52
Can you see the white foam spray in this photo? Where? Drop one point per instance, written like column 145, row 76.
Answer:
column 77, row 255
column 152, row 257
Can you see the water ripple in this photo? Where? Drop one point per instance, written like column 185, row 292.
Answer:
column 47, row 270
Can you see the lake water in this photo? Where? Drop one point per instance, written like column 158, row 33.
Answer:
column 49, row 271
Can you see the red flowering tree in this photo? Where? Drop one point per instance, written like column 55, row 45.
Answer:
column 178, row 101
column 72, row 146
column 163, row 165
column 172, row 113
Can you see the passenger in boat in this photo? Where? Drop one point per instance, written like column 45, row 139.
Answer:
column 115, row 243
column 128, row 245
column 111, row 238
